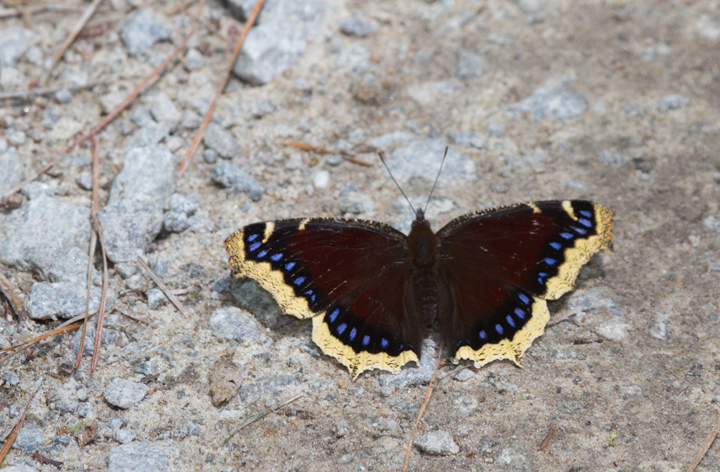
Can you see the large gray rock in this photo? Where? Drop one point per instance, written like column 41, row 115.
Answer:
column 553, row 98
column 437, row 443
column 13, row 44
column 145, row 456
column 43, row 228
column 13, row 171
column 29, row 439
column 232, row 323
column 124, row 393
column 134, row 213
column 422, row 160
column 269, row 49
column 221, row 141
column 143, row 30
column 236, row 180
column 65, row 296
column 305, row 12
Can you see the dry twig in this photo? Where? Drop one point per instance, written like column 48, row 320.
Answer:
column 206, row 119
column 84, row 136
column 260, row 414
column 87, row 14
column 548, row 437
column 168, row 293
column 424, row 405
column 16, row 429
column 31, row 93
column 33, row 9
column 308, row 147
column 706, row 445
column 181, row 7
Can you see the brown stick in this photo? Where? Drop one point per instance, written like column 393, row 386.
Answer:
column 98, row 230
column 548, row 437
column 208, row 116
column 706, row 445
column 16, row 430
column 59, row 330
column 308, row 147
column 9, row 293
column 27, row 94
column 91, row 252
column 87, row 14
column 424, row 405
column 163, row 287
column 82, row 137
column 181, row 7
column 11, row 12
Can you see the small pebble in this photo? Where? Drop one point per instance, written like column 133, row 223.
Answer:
column 155, row 298
column 193, row 60
column 437, row 443
column 124, row 393
column 63, row 96
column 210, row 156
column 321, row 179
column 353, row 26
column 671, row 102
column 84, row 180
column 232, row 323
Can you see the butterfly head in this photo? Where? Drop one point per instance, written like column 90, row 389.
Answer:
column 419, row 218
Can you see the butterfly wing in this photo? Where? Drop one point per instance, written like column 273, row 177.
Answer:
column 350, row 276
column 498, row 267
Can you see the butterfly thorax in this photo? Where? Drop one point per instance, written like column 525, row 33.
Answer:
column 422, row 250
column 422, row 244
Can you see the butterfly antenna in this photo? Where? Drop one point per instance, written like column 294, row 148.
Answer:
column 436, row 179
column 382, row 158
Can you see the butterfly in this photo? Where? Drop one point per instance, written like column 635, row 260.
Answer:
column 372, row 291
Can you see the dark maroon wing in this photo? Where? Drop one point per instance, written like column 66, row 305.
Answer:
column 498, row 267
column 351, row 276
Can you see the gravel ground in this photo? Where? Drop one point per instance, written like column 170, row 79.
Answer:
column 612, row 101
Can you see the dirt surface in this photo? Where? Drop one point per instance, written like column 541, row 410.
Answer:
column 628, row 380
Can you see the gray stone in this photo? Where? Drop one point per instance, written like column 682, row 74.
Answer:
column 233, row 323
column 437, row 443
column 148, row 367
column 14, row 411
column 145, row 456
column 514, row 459
column 411, row 376
column 193, row 60
column 175, row 222
column 66, row 404
column 164, row 110
column 124, row 436
column 553, row 98
column 13, row 172
column 659, row 329
column 84, row 180
column 62, row 439
column 29, row 439
column 464, row 375
column 4, row 344
column 354, row 26
column 467, row 138
column 10, row 378
column 141, row 116
column 143, row 30
column 181, row 203
column 65, row 296
column 134, row 213
column 390, row 139
column 269, row 49
column 13, row 44
column 633, row 110
column 221, row 141
column 210, row 156
column 20, row 468
column 712, row 223
column 16, row 137
column 614, row 330
column 262, row 108
column 41, row 229
column 124, row 393
column 612, row 158
column 63, row 96
column 236, row 180
column 421, row 159
column 306, row 12
column 465, row 405
column 155, row 298
column 150, row 134
column 85, row 410
column 471, row 65
column 266, row 388
column 250, row 296
column 499, row 39
column 109, row 337
column 671, row 102
column 126, row 269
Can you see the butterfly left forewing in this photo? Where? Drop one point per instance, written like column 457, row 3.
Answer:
column 500, row 265
column 347, row 274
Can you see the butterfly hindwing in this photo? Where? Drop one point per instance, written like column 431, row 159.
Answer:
column 345, row 274
column 499, row 266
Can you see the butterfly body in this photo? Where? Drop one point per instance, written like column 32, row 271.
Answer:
column 372, row 291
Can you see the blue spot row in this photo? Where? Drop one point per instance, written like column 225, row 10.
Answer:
column 276, row 257
column 556, row 246
column 366, row 340
column 262, row 253
column 299, row 280
column 334, row 315
column 586, row 213
column 523, row 298
column 254, row 246
column 519, row 313
column 585, row 222
column 541, row 276
column 252, row 237
column 566, row 235
column 549, row 261
column 289, row 266
column 579, row 230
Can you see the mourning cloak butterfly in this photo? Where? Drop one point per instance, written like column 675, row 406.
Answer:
column 372, row 291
